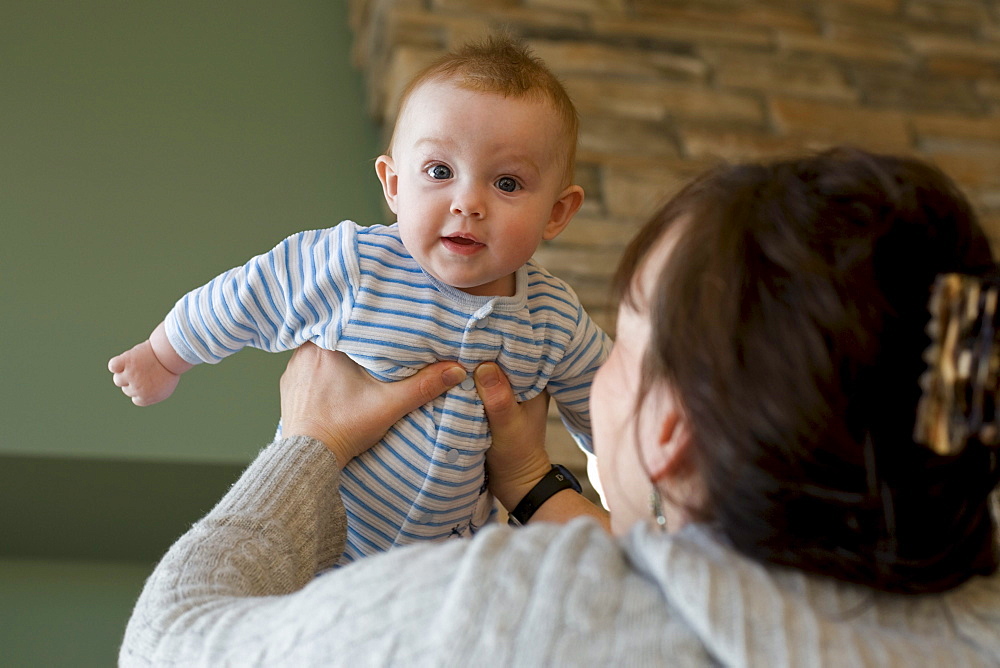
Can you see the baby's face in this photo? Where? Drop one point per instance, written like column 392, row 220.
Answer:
column 475, row 181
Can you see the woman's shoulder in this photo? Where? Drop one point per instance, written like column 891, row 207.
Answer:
column 749, row 612
column 546, row 594
column 499, row 553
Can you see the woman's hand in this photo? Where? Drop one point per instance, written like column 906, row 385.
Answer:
column 328, row 397
column 517, row 460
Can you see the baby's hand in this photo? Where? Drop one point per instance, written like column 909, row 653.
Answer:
column 142, row 376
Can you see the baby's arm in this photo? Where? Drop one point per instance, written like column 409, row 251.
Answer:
column 276, row 301
column 570, row 383
column 149, row 372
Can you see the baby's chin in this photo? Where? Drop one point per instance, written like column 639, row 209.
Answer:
column 469, row 281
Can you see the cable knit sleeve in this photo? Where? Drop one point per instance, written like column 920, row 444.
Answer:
column 269, row 535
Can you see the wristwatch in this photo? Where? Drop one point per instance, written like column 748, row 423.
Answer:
column 556, row 480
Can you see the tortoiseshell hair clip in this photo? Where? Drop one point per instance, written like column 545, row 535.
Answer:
column 960, row 386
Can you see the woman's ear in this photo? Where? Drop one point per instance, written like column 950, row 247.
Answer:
column 386, row 170
column 569, row 202
column 671, row 466
column 669, row 459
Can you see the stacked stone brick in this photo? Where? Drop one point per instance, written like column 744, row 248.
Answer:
column 666, row 88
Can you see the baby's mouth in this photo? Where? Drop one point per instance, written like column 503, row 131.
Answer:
column 461, row 244
column 462, row 241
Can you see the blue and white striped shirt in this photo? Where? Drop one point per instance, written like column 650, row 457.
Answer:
column 356, row 289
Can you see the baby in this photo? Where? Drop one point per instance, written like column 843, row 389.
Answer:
column 478, row 172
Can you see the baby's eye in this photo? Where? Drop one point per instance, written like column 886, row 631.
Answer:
column 439, row 172
column 507, row 184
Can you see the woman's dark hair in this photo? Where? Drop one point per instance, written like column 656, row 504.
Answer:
column 789, row 321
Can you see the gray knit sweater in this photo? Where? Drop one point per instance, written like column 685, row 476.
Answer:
column 239, row 589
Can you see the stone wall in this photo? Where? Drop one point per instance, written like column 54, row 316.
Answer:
column 667, row 87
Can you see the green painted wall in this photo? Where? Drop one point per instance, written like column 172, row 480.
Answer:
column 88, row 509
column 57, row 613
column 144, row 148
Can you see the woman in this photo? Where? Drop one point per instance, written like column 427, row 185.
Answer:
column 754, row 433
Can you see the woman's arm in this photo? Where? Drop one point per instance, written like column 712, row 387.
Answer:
column 281, row 522
column 517, row 459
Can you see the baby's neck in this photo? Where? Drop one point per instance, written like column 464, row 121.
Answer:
column 502, row 287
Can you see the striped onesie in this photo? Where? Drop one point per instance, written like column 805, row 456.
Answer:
column 357, row 290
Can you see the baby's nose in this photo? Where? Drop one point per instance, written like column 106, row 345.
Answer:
column 469, row 202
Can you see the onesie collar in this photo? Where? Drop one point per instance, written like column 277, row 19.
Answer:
column 483, row 305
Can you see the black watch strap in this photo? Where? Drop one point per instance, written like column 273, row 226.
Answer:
column 556, row 480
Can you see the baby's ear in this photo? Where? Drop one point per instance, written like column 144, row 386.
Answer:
column 563, row 210
column 386, row 170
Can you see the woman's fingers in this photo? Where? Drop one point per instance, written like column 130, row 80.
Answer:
column 517, row 424
column 411, row 393
column 496, row 394
column 327, row 396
